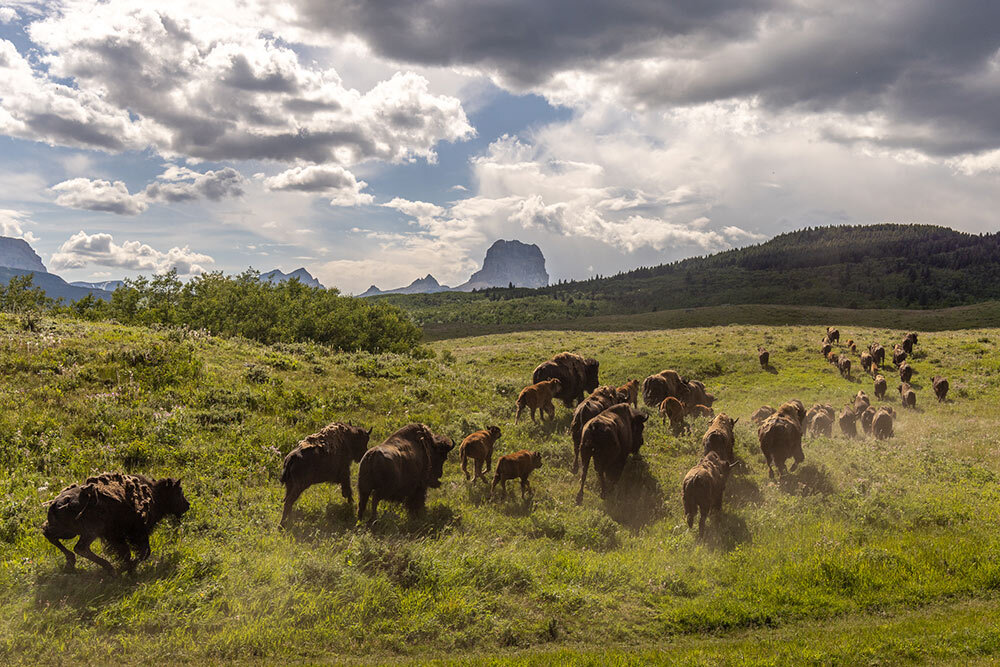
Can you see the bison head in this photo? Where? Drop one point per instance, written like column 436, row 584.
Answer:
column 494, row 432
column 591, row 367
column 357, row 441
column 536, row 460
column 440, row 446
column 638, row 425
column 169, row 496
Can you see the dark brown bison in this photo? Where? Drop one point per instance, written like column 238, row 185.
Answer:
column 719, row 437
column 402, row 468
column 818, row 408
column 821, row 424
column 898, row 355
column 866, row 418
column 576, row 376
column 631, row 391
column 599, row 401
column 907, row 345
column 912, row 337
column 609, row 438
column 905, row 372
column 700, row 410
column 323, row 457
column 940, row 385
column 848, row 421
column 882, row 423
column 826, row 349
column 866, row 361
column 672, row 409
column 833, row 334
column 878, row 353
column 698, row 397
column 763, row 356
column 861, row 401
column 833, row 357
column 120, row 510
column 851, row 346
column 844, row 365
column 539, row 397
column 478, row 446
column 907, row 395
column 657, row 387
column 762, row 413
column 780, row 438
column 703, row 488
column 516, row 466
column 880, row 387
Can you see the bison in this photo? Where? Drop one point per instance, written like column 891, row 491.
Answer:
column 120, row 510
column 907, row 345
column 478, row 446
column 861, row 401
column 698, row 397
column 539, row 397
column 599, row 401
column 657, row 387
column 878, row 353
column 701, row 411
column 402, row 468
column 866, row 361
column 821, row 424
column 940, row 385
column 780, row 438
column 844, row 365
column 898, row 355
column 912, row 337
column 631, row 391
column 794, row 410
column 905, row 372
column 851, row 346
column 907, row 395
column 703, row 487
column 763, row 356
column 762, row 413
column 609, row 438
column 672, row 409
column 882, row 423
column 848, row 421
column 880, row 387
column 820, row 408
column 866, row 419
column 832, row 334
column 514, row 466
column 826, row 349
column 576, row 376
column 719, row 437
column 323, row 457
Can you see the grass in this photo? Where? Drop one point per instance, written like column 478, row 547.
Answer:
column 873, row 551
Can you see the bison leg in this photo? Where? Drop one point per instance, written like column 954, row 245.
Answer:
column 82, row 548
column 770, row 466
column 517, row 415
column 603, row 482
column 525, row 487
column 363, row 493
column 121, row 550
column 701, row 520
column 496, row 480
column 465, row 460
column 583, row 477
column 576, row 457
column 415, row 503
column 51, row 536
column 479, row 470
column 345, row 488
column 292, row 494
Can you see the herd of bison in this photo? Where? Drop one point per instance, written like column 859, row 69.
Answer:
column 606, row 429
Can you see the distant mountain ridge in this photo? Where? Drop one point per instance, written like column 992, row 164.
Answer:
column 18, row 254
column 106, row 285
column 306, row 278
column 506, row 263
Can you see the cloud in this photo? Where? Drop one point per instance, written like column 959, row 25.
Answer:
column 8, row 15
column 328, row 180
column 99, row 195
column 175, row 184
column 203, row 84
column 83, row 249
column 12, row 225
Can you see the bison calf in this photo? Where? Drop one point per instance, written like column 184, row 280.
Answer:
column 514, row 466
column 703, row 487
column 478, row 446
column 120, row 510
column 940, row 388
column 672, row 409
column 539, row 397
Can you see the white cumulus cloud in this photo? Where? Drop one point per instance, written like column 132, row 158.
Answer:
column 82, row 250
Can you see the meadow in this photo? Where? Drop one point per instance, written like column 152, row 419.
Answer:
column 876, row 552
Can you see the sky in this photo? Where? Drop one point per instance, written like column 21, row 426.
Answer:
column 374, row 142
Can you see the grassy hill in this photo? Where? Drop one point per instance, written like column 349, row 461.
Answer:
column 855, row 267
column 884, row 551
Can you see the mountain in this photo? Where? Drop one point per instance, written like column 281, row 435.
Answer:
column 17, row 254
column 426, row 285
column 276, row 276
column 54, row 286
column 509, row 262
column 106, row 285
column 850, row 266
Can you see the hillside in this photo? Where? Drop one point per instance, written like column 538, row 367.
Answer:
column 874, row 266
column 872, row 551
column 54, row 286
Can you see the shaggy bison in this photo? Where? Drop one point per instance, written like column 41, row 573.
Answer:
column 905, row 372
column 780, row 438
column 898, row 355
column 703, row 488
column 861, row 401
column 763, row 356
column 719, row 437
column 878, row 353
column 880, row 387
column 599, row 401
column 866, row 361
column 848, row 421
column 762, row 413
column 402, row 468
column 882, row 423
column 514, row 466
column 794, row 409
column 907, row 395
column 826, row 349
column 833, row 335
column 576, row 376
column 672, row 409
column 844, row 365
column 821, row 424
column 478, row 446
column 120, row 510
column 609, row 438
column 323, row 457
column 866, row 418
column 912, row 337
column 657, row 387
column 940, row 385
column 539, row 397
